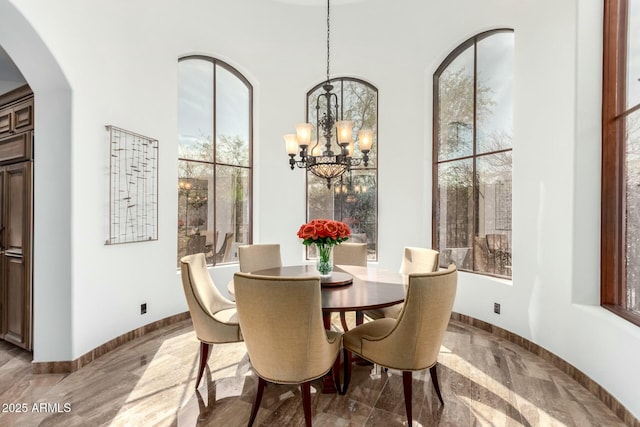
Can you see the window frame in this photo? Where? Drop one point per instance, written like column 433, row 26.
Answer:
column 334, row 81
column 214, row 163
column 453, row 55
column 613, row 201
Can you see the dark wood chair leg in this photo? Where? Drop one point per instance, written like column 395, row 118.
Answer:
column 204, row 356
column 256, row 402
column 343, row 320
column 336, row 374
column 347, row 370
column 359, row 318
column 306, row 402
column 407, row 380
column 434, row 380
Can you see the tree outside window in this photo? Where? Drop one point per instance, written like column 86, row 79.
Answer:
column 214, row 159
column 473, row 114
column 353, row 198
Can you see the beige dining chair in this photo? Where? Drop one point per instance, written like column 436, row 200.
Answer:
column 349, row 254
column 412, row 341
column 224, row 252
column 414, row 260
column 281, row 321
column 213, row 316
column 259, row 257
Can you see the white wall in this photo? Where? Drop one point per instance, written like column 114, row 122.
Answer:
column 120, row 61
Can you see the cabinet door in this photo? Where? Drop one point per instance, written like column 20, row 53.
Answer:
column 16, row 249
column 5, row 121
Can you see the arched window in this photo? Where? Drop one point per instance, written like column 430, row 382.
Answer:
column 354, row 197
column 620, row 228
column 215, row 127
column 472, row 128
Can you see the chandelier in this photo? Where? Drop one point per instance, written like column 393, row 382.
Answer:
column 323, row 162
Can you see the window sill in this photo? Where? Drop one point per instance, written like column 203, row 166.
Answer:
column 628, row 315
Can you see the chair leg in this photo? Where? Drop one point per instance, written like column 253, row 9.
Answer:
column 204, row 356
column 306, row 402
column 336, row 373
column 343, row 320
column 359, row 318
column 407, row 379
column 256, row 402
column 347, row 370
column 434, row 380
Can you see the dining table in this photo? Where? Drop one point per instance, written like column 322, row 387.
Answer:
column 347, row 289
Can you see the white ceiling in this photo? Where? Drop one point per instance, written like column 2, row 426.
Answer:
column 8, row 70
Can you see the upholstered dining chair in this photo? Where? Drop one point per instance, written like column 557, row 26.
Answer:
column 349, row 254
column 225, row 250
column 281, row 321
column 414, row 260
column 213, row 316
column 259, row 257
column 412, row 341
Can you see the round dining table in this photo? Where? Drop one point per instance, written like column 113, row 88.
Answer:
column 350, row 288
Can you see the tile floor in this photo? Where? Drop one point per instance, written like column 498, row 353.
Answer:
column 485, row 381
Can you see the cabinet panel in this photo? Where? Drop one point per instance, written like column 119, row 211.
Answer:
column 17, row 294
column 23, row 116
column 5, row 120
column 16, row 147
column 15, row 209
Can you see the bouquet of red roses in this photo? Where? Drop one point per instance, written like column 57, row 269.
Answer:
column 324, row 232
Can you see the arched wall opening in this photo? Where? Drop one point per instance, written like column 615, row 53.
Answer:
column 52, row 254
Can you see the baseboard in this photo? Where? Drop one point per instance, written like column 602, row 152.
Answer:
column 65, row 367
column 580, row 377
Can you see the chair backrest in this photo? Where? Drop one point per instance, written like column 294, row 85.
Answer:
column 350, row 254
column 223, row 253
column 203, row 299
column 259, row 257
column 414, row 342
column 419, row 260
column 281, row 322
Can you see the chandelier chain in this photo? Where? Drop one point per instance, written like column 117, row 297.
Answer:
column 328, row 38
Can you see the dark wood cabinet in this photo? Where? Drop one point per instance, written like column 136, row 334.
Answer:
column 15, row 277
column 16, row 117
column 16, row 130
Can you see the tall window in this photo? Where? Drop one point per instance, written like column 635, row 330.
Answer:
column 620, row 251
column 354, row 197
column 473, row 111
column 215, row 124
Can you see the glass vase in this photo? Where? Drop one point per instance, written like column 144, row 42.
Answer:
column 324, row 263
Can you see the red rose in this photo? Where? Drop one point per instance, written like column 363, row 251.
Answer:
column 343, row 230
column 331, row 229
column 308, row 231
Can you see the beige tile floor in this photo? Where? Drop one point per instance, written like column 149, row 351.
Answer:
column 485, row 381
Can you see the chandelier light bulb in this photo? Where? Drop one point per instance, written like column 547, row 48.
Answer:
column 303, row 132
column 291, row 141
column 365, row 137
column 344, row 129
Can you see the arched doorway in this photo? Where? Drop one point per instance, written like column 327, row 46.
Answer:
column 52, row 255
